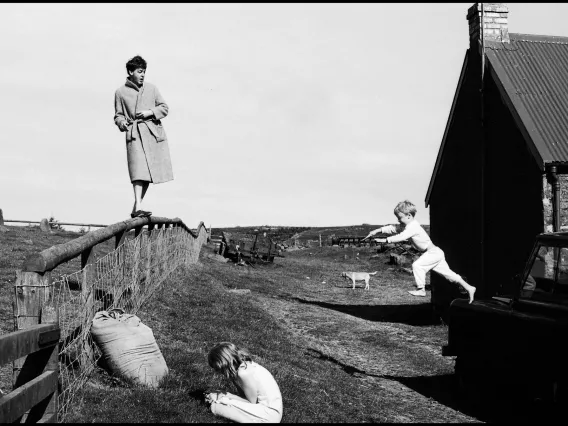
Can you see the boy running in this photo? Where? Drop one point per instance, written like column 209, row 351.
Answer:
column 432, row 258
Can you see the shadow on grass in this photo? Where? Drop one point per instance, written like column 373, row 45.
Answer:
column 494, row 404
column 417, row 315
column 443, row 389
column 198, row 394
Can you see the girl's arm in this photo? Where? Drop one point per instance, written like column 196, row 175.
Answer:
column 247, row 385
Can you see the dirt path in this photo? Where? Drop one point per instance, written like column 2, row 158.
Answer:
column 402, row 362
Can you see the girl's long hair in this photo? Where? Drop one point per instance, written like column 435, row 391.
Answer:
column 226, row 357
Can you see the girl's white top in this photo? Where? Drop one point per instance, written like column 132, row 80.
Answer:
column 268, row 390
column 418, row 237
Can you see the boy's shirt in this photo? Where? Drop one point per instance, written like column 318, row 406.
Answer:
column 418, row 237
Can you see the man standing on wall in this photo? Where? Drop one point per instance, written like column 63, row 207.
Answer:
column 139, row 107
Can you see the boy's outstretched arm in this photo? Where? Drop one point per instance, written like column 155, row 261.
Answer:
column 388, row 229
column 373, row 232
column 406, row 234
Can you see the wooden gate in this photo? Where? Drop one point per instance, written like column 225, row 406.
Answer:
column 34, row 397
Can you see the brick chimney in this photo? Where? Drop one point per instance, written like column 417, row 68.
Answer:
column 495, row 25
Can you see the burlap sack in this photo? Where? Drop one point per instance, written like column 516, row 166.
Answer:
column 128, row 347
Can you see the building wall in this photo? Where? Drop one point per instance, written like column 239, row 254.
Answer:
column 486, row 227
column 455, row 200
column 513, row 196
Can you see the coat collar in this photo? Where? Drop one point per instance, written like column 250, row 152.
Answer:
column 132, row 85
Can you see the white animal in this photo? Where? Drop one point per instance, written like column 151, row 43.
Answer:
column 359, row 276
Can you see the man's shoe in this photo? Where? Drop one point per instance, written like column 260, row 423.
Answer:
column 420, row 292
column 140, row 213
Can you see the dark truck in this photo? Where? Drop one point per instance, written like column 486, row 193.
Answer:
column 513, row 348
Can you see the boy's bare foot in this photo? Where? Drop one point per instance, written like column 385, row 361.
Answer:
column 471, row 291
column 420, row 292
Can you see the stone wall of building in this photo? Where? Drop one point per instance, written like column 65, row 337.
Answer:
column 547, row 202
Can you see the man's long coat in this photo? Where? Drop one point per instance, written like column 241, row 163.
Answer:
column 147, row 147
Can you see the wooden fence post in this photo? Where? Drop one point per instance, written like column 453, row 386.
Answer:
column 88, row 280
column 135, row 273
column 148, row 264
column 45, row 226
column 32, row 290
column 2, row 227
column 119, row 239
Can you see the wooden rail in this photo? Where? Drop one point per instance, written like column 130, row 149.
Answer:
column 34, row 397
column 50, row 258
column 56, row 223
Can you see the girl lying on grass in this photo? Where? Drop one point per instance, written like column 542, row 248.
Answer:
column 259, row 399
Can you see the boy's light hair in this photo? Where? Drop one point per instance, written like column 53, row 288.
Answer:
column 226, row 358
column 405, row 207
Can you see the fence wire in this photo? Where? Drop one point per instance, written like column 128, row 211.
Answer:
column 124, row 278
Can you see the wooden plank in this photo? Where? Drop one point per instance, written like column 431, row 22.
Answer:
column 22, row 399
column 23, row 342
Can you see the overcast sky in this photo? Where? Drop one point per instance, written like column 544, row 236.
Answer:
column 280, row 114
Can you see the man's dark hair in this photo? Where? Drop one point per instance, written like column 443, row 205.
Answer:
column 135, row 63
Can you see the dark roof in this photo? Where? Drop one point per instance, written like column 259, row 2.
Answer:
column 533, row 71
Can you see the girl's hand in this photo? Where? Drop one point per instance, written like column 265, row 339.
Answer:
column 145, row 114
column 211, row 397
column 123, row 126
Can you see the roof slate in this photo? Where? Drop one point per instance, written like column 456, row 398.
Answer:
column 533, row 71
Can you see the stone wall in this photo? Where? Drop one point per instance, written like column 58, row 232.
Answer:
column 547, row 203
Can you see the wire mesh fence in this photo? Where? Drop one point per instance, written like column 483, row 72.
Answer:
column 124, row 278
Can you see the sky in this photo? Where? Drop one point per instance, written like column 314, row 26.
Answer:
column 282, row 114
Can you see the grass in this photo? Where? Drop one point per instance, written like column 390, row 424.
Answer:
column 331, row 366
column 339, row 355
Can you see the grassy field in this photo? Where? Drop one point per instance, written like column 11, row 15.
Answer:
column 338, row 354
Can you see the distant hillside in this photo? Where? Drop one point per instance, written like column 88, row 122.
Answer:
column 276, row 233
column 305, row 234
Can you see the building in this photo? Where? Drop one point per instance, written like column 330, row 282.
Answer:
column 501, row 174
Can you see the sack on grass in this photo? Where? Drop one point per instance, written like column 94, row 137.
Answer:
column 128, row 347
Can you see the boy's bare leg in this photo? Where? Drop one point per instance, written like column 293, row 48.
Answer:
column 444, row 269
